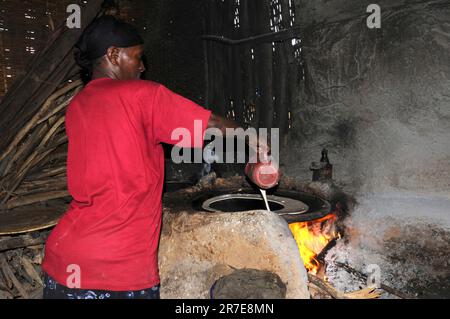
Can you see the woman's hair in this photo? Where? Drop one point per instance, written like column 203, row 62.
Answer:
column 101, row 34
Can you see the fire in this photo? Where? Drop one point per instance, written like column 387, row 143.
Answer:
column 311, row 238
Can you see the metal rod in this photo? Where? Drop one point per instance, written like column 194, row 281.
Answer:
column 266, row 37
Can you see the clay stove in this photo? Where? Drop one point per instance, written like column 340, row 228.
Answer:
column 311, row 218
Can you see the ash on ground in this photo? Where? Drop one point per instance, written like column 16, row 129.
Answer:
column 389, row 238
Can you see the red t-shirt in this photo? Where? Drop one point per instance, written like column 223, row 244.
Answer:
column 115, row 174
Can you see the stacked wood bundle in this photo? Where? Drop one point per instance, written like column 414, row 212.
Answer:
column 33, row 151
column 33, row 178
column 33, row 166
column 20, row 260
column 33, row 144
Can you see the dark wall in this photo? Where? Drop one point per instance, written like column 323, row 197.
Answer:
column 173, row 46
column 379, row 99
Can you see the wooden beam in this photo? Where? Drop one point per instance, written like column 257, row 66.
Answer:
column 264, row 62
column 237, row 85
column 247, row 63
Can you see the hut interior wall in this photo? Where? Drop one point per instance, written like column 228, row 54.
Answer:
column 252, row 80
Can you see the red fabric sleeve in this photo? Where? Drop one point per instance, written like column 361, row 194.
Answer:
column 177, row 120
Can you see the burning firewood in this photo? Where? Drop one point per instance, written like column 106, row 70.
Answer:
column 312, row 237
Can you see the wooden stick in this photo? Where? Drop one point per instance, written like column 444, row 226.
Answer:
column 64, row 104
column 30, row 270
column 44, row 188
column 21, row 175
column 37, row 155
column 55, row 111
column 55, row 159
column 31, row 185
column 55, row 143
column 5, row 294
column 219, row 101
column 236, row 68
column 46, row 137
column 43, row 181
column 321, row 256
column 229, row 78
column 248, row 64
column 9, row 273
column 24, row 189
column 324, row 286
column 14, row 262
column 21, row 241
column 366, row 293
column 26, row 200
column 3, row 282
column 21, row 134
column 284, row 53
column 48, row 172
column 31, row 142
column 9, row 284
column 37, row 293
column 264, row 62
column 28, row 192
column 52, row 131
column 39, row 256
column 26, row 147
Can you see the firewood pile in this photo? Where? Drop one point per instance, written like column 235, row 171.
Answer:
column 33, row 166
column 33, row 147
column 32, row 191
column 20, row 259
column 33, row 153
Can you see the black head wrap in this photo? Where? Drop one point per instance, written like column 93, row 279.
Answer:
column 101, row 34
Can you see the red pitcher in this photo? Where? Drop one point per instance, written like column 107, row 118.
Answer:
column 264, row 175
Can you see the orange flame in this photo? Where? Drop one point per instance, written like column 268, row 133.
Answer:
column 311, row 238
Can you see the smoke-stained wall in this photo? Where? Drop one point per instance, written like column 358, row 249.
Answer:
column 173, row 46
column 378, row 99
